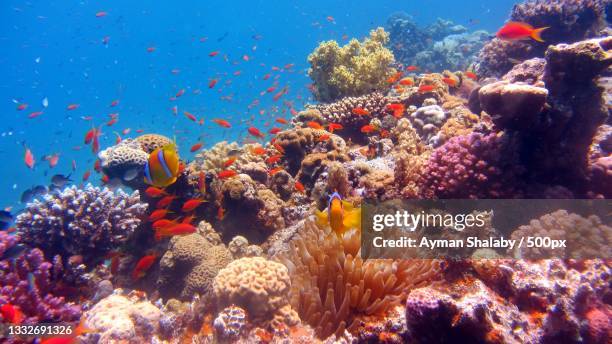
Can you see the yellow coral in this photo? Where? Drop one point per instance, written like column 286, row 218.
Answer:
column 352, row 70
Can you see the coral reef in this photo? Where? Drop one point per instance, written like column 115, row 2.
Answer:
column 35, row 286
column 473, row 166
column 439, row 46
column 258, row 285
column 190, row 265
column 352, row 70
column 332, row 286
column 569, row 21
column 586, row 238
column 125, row 160
column 88, row 222
column 119, row 318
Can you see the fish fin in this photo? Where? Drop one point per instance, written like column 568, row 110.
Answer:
column 352, row 219
column 537, row 33
column 321, row 217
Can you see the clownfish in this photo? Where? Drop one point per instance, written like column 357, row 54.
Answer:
column 340, row 215
column 162, row 167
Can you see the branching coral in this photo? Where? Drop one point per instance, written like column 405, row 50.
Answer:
column 88, row 222
column 332, row 286
column 352, row 70
column 33, row 285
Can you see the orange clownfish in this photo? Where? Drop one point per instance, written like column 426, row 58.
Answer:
column 340, row 215
column 162, row 168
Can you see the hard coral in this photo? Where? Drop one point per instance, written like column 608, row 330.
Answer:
column 473, row 166
column 150, row 142
column 258, row 285
column 189, row 266
column 352, row 70
column 34, row 285
column 88, row 222
column 125, row 160
column 332, row 286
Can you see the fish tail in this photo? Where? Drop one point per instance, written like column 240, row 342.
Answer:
column 353, row 219
column 537, row 33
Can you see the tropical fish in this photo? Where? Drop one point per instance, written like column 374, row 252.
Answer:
column 258, row 150
column 255, row 132
column 412, row 68
column 281, row 120
column 212, row 83
column 324, row 137
column 190, row 116
column 11, row 313
column 158, row 214
column 191, row 204
column 274, row 130
column 368, row 128
column 71, row 107
column 275, row 170
column 226, row 174
column 143, row 265
column 397, row 108
column 450, row 81
column 86, row 175
column 406, row 82
column 59, row 180
column 334, row 126
column 227, row 163
column 164, row 202
column 299, row 186
column 340, row 215
column 514, row 31
column 6, row 218
column 471, row 75
column 314, row 125
column 221, row 122
column 176, row 229
column 426, row 88
column 162, row 167
column 28, row 158
column 359, row 111
column 273, row 159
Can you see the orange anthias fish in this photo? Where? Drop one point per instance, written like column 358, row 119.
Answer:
column 226, row 174
column 324, row 137
column 227, row 163
column 190, row 116
column 162, row 167
column 89, row 135
column 143, row 265
column 255, row 132
column 164, row 202
column 71, row 338
column 359, row 111
column 274, row 130
column 259, row 150
column 450, row 81
column 195, row 147
column 281, row 120
column 29, row 158
column 426, row 88
column 471, row 75
column 223, row 123
column 11, row 314
column 334, row 126
column 314, row 125
column 397, row 108
column 299, row 186
column 154, row 192
column 53, row 160
column 177, row 229
column 191, row 205
column 158, row 214
column 273, row 159
column 514, row 31
column 395, row 77
column 368, row 128
column 406, row 82
column 71, row 107
column 212, row 83
column 412, row 68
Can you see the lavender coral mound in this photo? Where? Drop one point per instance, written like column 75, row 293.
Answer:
column 473, row 166
column 30, row 283
column 568, row 21
column 88, row 222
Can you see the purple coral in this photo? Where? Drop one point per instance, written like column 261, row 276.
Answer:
column 473, row 166
column 88, row 222
column 31, row 283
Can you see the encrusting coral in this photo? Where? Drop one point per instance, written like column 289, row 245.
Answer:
column 88, row 222
column 332, row 286
column 352, row 70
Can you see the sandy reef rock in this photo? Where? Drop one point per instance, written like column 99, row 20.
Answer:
column 118, row 318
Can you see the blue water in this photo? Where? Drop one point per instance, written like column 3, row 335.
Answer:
column 56, row 49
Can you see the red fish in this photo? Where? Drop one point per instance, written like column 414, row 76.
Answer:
column 89, row 135
column 150, row 49
column 71, row 107
column 368, row 128
column 359, row 111
column 29, row 158
column 395, row 77
column 299, row 186
column 450, row 81
column 229, row 162
column 471, row 75
column 223, row 123
column 245, row 58
column 220, row 213
column 323, row 137
column 266, row 77
column 180, row 92
column 86, row 175
column 11, row 314
column 190, row 116
column 406, row 82
column 177, row 229
column 163, row 223
column 158, row 214
column 412, row 68
column 273, row 159
column 143, row 265
column 334, row 126
column 22, row 106
column 95, row 143
column 97, row 166
column 165, row 202
column 114, row 103
column 53, row 160
column 35, row 114
column 112, row 121
column 191, row 205
column 255, row 132
column 195, row 147
column 155, row 192
column 274, row 130
column 397, row 108
column 212, row 83
column 271, row 89
column 426, row 88
column 514, row 31
column 226, row 174
column 213, row 53
column 259, row 150
column 101, row 14
column 275, row 170
column 314, row 125
column 281, row 120
column 278, row 147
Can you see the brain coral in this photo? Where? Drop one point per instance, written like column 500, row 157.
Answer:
column 332, row 286
column 258, row 285
column 120, row 160
column 150, row 142
column 88, row 222
column 189, row 266
column 352, row 70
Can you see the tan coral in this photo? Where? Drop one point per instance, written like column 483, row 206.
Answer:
column 150, row 142
column 258, row 285
column 299, row 142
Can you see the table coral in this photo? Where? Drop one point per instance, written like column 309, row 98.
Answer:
column 352, row 70
column 88, row 222
column 34, row 285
